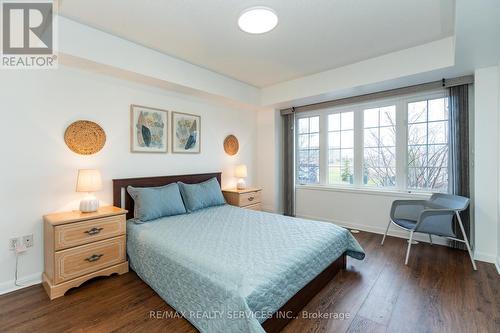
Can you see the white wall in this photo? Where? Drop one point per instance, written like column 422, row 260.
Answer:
column 102, row 49
column 38, row 172
column 486, row 163
column 351, row 79
column 366, row 210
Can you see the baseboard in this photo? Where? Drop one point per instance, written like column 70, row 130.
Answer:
column 26, row 281
column 486, row 257
column 497, row 265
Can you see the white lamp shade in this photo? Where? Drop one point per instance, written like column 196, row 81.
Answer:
column 241, row 171
column 89, row 180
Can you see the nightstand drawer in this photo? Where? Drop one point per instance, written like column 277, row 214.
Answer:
column 73, row 234
column 254, row 207
column 85, row 259
column 249, row 198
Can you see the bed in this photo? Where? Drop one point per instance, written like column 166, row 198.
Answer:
column 226, row 269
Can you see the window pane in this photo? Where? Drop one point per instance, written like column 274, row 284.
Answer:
column 303, row 125
column 303, row 141
column 371, row 157
column 314, row 157
column 314, row 140
column 347, row 139
column 417, row 178
column 417, row 112
column 334, row 175
column 417, row 156
column 382, row 177
column 388, row 116
column 387, row 136
column 313, row 124
column 417, row 134
column 303, row 156
column 438, row 109
column 438, row 179
column 347, row 120
column 371, row 118
column 334, row 157
column 438, row 132
column 371, row 137
column 334, row 122
column 334, row 139
column 347, row 174
column 438, row 156
column 388, row 157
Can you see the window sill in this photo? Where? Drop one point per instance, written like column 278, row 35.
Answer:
column 364, row 190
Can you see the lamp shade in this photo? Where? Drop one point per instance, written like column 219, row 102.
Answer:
column 89, row 180
column 241, row 171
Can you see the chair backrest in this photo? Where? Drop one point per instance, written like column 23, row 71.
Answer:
column 450, row 201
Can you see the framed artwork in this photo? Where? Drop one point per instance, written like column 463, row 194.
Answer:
column 148, row 130
column 186, row 133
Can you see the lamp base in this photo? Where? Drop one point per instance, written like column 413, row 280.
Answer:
column 241, row 185
column 89, row 204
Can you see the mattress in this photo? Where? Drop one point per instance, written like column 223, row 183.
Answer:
column 227, row 269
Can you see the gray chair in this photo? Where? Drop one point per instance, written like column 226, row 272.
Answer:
column 432, row 217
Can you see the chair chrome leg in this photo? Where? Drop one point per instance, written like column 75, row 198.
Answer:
column 386, row 231
column 466, row 241
column 430, row 238
column 409, row 246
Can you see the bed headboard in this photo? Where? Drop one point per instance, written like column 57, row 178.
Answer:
column 120, row 186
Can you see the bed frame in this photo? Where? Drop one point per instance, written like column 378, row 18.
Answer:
column 290, row 309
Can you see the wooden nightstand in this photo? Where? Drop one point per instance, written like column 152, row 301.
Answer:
column 248, row 198
column 80, row 246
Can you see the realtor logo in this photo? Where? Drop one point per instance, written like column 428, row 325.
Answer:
column 28, row 35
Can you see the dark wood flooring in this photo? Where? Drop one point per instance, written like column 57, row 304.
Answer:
column 437, row 292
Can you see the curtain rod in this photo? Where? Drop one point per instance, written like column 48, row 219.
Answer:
column 444, row 83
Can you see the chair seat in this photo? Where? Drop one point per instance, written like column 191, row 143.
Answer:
column 407, row 224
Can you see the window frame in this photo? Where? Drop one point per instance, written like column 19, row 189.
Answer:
column 401, row 105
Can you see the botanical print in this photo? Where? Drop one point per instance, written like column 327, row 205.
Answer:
column 186, row 133
column 148, row 129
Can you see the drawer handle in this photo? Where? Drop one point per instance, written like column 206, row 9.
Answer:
column 93, row 231
column 94, row 257
column 251, row 198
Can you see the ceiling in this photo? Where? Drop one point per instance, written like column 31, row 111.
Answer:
column 311, row 36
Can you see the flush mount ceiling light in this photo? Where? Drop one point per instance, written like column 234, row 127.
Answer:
column 258, row 20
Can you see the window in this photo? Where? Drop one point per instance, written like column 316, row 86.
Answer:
column 428, row 144
column 308, row 150
column 341, row 148
column 398, row 144
column 379, row 148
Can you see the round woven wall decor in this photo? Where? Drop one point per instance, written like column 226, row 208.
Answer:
column 85, row 137
column 231, row 145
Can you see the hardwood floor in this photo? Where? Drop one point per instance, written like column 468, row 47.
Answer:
column 437, row 292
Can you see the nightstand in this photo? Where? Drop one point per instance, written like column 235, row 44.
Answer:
column 80, row 246
column 248, row 198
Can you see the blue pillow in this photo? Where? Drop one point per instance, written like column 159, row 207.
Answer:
column 154, row 202
column 202, row 195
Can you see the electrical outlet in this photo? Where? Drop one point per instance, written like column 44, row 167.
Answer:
column 28, row 240
column 12, row 243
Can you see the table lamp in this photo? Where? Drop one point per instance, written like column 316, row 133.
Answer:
column 89, row 180
column 241, row 173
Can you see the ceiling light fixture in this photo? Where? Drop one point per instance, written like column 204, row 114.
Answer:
column 258, row 20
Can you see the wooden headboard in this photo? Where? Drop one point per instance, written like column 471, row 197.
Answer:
column 120, row 186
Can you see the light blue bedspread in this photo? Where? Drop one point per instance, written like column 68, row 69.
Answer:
column 227, row 269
